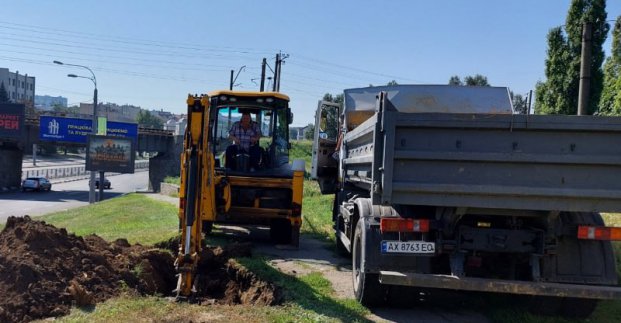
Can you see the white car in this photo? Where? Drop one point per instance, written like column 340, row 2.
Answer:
column 36, row 184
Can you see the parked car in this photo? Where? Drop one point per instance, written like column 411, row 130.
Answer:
column 36, row 184
column 106, row 183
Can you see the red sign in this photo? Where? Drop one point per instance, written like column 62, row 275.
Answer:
column 11, row 120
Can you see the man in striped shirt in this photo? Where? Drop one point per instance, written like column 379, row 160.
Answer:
column 245, row 135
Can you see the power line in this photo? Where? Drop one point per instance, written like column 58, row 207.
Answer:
column 126, row 40
column 150, row 43
column 122, row 72
column 223, row 68
column 354, row 69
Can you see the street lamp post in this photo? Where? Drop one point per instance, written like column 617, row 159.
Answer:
column 91, row 194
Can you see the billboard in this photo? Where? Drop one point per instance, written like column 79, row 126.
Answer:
column 110, row 154
column 11, row 120
column 75, row 130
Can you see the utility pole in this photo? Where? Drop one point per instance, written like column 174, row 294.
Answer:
column 530, row 101
column 262, row 88
column 279, row 71
column 276, row 68
column 280, row 59
column 231, row 83
column 233, row 79
column 585, row 70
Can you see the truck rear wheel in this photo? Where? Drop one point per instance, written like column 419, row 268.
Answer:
column 578, row 307
column 367, row 288
column 576, row 262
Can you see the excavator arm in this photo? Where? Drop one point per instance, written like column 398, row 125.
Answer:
column 197, row 192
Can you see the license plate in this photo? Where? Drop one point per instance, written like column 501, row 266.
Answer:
column 408, row 247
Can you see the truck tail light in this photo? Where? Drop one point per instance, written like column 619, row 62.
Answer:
column 403, row 225
column 586, row 232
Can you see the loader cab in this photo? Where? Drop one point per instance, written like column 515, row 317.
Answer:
column 269, row 115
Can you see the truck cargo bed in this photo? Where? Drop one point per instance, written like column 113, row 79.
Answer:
column 501, row 161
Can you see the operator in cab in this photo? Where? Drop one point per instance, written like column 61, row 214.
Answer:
column 245, row 136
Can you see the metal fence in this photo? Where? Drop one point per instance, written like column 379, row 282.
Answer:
column 71, row 171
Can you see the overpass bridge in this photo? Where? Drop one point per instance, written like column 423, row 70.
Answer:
column 164, row 143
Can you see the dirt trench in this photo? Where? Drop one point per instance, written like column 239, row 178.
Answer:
column 44, row 271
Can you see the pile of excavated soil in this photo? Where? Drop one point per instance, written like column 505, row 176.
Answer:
column 44, row 271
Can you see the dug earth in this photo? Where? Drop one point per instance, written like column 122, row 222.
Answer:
column 44, row 271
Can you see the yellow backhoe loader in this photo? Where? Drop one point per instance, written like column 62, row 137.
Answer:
column 235, row 170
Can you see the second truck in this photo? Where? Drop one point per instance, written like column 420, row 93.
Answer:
column 444, row 187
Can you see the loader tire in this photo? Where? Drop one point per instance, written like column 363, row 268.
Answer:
column 367, row 288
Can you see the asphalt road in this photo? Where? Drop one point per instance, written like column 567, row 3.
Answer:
column 66, row 195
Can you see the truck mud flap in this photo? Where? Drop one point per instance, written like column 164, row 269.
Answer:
column 500, row 286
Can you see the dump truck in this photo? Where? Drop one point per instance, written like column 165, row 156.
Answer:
column 252, row 185
column 443, row 187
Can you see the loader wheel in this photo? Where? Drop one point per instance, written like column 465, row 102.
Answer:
column 367, row 288
column 280, row 231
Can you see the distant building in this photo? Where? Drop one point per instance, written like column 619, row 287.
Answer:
column 114, row 112
column 20, row 88
column 177, row 124
column 181, row 125
column 163, row 115
column 46, row 102
column 297, row 133
column 170, row 125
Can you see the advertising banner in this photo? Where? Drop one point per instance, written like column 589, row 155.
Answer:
column 75, row 130
column 110, row 154
column 11, row 120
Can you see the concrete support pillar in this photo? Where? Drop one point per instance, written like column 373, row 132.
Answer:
column 11, row 171
column 166, row 163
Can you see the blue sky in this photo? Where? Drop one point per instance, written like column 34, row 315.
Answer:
column 153, row 53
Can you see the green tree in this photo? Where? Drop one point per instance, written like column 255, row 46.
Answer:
column 610, row 103
column 59, row 108
column 475, row 80
column 148, row 120
column 392, row 83
column 309, row 133
column 519, row 103
column 455, row 80
column 559, row 93
column 550, row 97
column 4, row 95
column 338, row 98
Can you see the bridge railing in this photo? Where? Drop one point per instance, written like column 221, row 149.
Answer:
column 72, row 171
